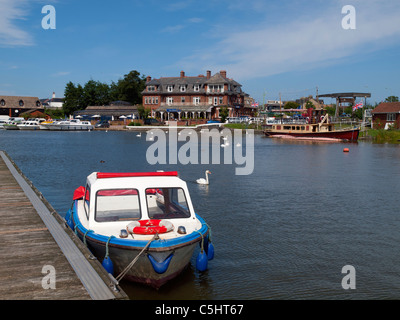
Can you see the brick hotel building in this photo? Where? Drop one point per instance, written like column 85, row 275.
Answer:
column 198, row 97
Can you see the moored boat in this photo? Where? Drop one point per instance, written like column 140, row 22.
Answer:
column 316, row 126
column 70, row 125
column 30, row 124
column 44, row 125
column 11, row 125
column 141, row 225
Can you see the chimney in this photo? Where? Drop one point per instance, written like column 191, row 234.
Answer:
column 208, row 74
column 182, row 74
column 223, row 73
column 148, row 79
column 54, row 95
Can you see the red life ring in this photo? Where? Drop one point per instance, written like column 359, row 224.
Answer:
column 149, row 226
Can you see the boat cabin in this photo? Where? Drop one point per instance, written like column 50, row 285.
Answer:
column 312, row 122
column 110, row 201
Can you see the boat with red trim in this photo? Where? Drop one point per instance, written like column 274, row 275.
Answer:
column 141, row 225
column 314, row 126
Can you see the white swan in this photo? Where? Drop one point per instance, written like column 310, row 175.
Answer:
column 202, row 180
column 139, row 134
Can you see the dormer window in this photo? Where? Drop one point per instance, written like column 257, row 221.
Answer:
column 21, row 103
column 196, row 87
column 170, row 88
column 2, row 103
column 151, row 88
column 183, row 88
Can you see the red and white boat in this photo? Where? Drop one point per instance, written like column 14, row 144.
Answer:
column 315, row 126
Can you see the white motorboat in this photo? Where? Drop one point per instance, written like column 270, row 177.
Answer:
column 29, row 125
column 70, row 125
column 142, row 224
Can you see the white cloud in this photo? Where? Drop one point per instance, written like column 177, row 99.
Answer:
column 309, row 40
column 61, row 73
column 172, row 29
column 10, row 33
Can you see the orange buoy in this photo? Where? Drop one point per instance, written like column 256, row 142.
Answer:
column 346, row 150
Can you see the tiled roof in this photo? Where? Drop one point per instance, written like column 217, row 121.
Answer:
column 387, row 107
column 189, row 82
column 20, row 102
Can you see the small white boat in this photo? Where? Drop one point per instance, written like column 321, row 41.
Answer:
column 29, row 125
column 70, row 125
column 142, row 224
column 11, row 125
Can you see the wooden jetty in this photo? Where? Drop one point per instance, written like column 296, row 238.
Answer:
column 41, row 258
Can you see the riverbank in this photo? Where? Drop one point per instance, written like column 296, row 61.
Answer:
column 381, row 136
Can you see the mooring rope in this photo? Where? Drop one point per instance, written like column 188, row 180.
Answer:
column 202, row 240
column 130, row 265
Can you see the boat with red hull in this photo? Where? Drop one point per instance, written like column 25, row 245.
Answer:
column 315, row 126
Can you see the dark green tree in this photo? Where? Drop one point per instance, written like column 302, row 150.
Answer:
column 392, row 99
column 223, row 114
column 95, row 93
column 144, row 113
column 290, row 105
column 129, row 88
column 73, row 98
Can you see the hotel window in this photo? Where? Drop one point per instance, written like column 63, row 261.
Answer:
column 156, row 100
column 182, row 88
column 196, row 88
column 21, row 103
column 2, row 103
column 196, row 100
column 391, row 117
column 146, row 101
column 170, row 88
column 215, row 88
column 183, row 99
column 170, row 100
column 215, row 101
column 221, row 100
column 151, row 88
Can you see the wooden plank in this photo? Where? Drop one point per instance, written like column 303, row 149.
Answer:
column 32, row 238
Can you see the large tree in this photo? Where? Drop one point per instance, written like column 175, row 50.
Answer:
column 96, row 93
column 73, row 98
column 129, row 88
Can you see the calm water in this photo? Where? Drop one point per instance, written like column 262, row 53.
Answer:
column 284, row 232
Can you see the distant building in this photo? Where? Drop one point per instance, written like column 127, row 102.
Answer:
column 385, row 115
column 114, row 111
column 53, row 103
column 193, row 97
column 14, row 106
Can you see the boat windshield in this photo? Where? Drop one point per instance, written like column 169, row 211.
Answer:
column 117, row 205
column 167, row 203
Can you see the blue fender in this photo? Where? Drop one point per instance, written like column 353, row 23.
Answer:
column 160, row 267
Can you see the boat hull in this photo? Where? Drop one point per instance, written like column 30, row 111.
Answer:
column 339, row 135
column 143, row 270
column 123, row 251
column 28, row 128
column 10, row 127
column 55, row 127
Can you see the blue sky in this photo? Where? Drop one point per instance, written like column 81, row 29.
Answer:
column 286, row 47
